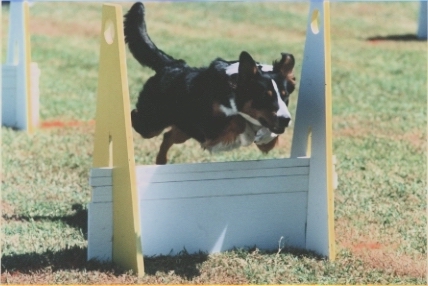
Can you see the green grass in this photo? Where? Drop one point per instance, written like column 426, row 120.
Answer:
column 379, row 126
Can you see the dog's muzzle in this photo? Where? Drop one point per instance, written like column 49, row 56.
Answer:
column 279, row 126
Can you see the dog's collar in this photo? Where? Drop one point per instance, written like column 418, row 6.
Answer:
column 249, row 118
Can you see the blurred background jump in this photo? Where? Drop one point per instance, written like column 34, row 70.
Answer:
column 20, row 76
column 422, row 24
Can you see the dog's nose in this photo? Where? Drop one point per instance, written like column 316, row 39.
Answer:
column 284, row 121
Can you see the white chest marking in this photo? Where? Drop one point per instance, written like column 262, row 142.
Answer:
column 244, row 139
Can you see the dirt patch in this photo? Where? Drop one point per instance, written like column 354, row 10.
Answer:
column 378, row 253
column 7, row 210
column 360, row 129
column 65, row 127
column 416, row 138
column 61, row 124
column 54, row 28
column 393, row 263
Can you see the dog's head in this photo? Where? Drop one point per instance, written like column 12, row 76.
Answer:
column 262, row 92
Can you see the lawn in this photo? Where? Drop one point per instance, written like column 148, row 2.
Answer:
column 379, row 89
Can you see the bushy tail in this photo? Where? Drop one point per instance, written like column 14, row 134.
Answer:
column 139, row 42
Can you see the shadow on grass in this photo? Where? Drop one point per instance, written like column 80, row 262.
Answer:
column 183, row 264
column 77, row 220
column 74, row 258
column 397, row 38
column 67, row 259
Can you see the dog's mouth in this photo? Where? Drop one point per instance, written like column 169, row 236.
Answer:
column 278, row 128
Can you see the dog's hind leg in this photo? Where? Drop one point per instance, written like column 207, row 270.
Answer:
column 173, row 136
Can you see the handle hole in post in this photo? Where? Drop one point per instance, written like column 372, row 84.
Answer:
column 315, row 22
column 309, row 143
column 110, row 150
column 109, row 32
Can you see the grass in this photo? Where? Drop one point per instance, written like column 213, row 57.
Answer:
column 379, row 76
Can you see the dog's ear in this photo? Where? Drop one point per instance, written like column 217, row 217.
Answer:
column 285, row 65
column 247, row 67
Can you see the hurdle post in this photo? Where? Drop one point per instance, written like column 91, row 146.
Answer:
column 20, row 76
column 113, row 144
column 313, row 130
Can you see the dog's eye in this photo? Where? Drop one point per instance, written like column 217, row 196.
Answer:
column 269, row 93
column 283, row 93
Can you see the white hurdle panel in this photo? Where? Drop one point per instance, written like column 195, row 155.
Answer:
column 211, row 207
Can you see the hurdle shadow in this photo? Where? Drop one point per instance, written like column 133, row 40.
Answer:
column 187, row 265
column 72, row 258
column 182, row 264
column 78, row 220
column 397, row 38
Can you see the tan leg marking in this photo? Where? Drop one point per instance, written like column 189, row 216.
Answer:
column 173, row 136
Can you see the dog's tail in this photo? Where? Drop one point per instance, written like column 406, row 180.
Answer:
column 139, row 42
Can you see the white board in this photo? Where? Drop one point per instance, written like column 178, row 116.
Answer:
column 208, row 207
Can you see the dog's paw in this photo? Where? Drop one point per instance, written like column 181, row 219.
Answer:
column 264, row 136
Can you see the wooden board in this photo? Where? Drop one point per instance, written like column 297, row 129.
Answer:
column 212, row 208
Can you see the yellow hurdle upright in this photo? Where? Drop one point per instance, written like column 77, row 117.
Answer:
column 113, row 141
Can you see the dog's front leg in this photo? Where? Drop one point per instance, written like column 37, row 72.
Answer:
column 173, row 136
column 265, row 148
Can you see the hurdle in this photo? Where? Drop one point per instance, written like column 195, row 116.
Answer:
column 20, row 76
column 211, row 207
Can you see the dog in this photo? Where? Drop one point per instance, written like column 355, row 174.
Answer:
column 223, row 106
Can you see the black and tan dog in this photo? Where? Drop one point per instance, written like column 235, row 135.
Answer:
column 223, row 106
